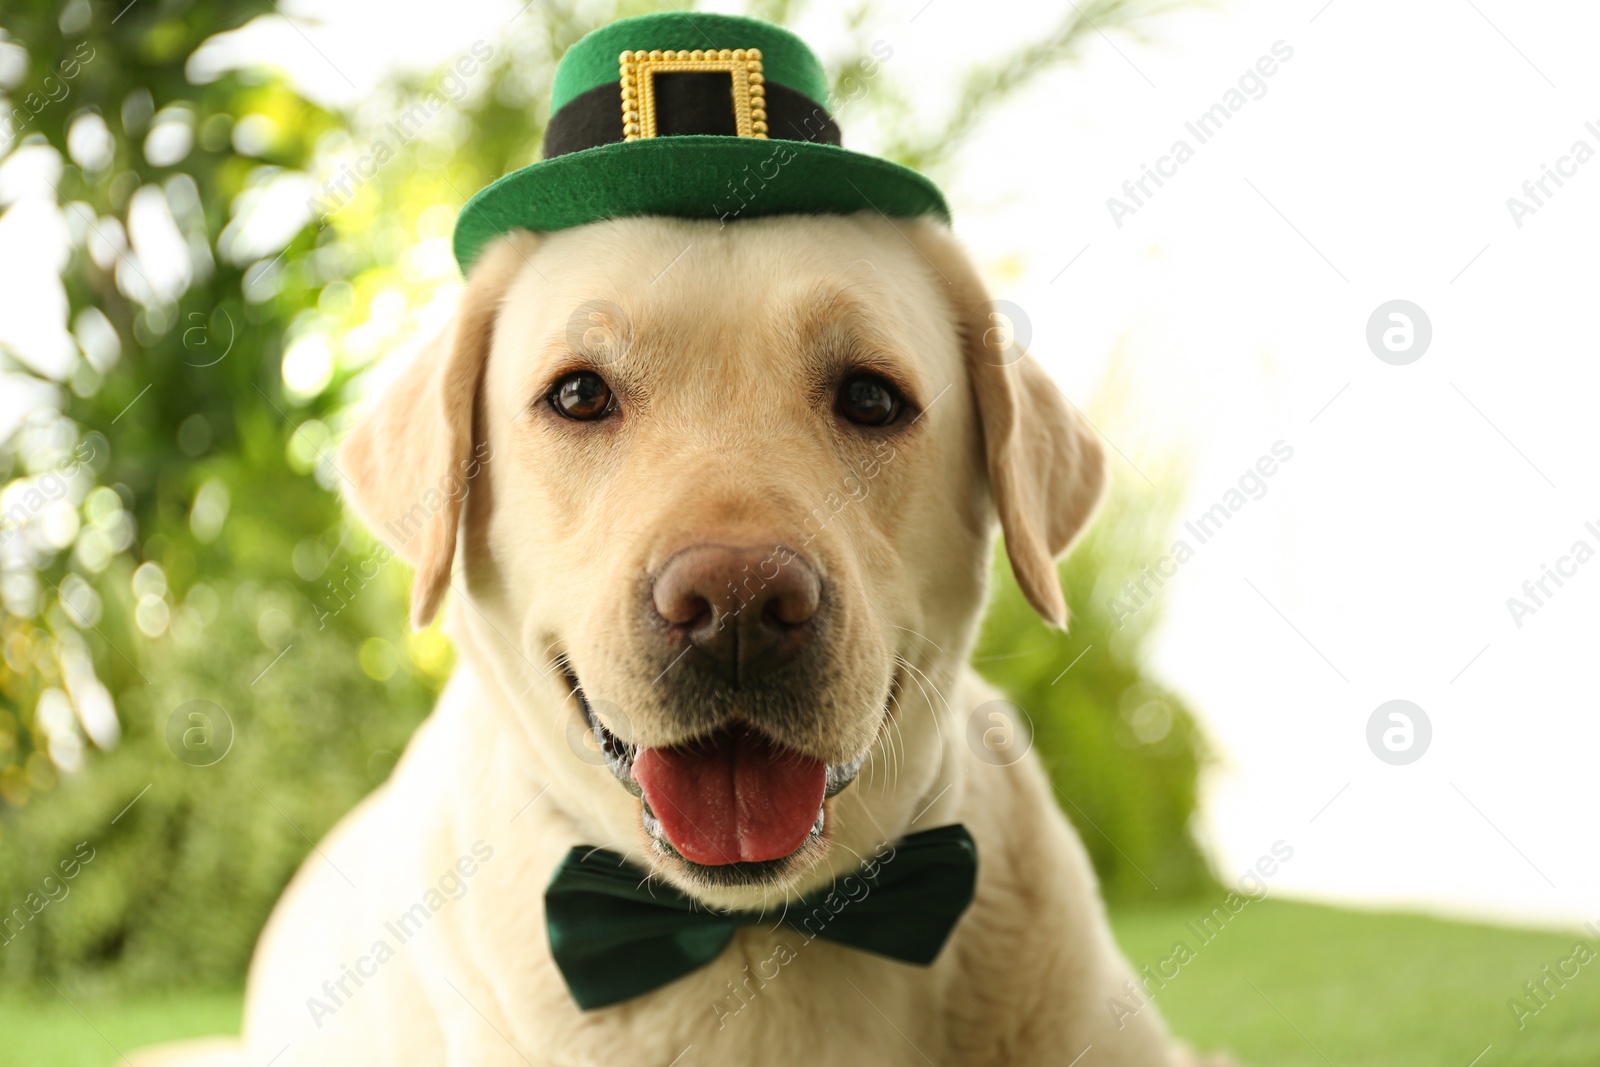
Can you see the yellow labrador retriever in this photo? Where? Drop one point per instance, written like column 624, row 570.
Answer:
column 723, row 499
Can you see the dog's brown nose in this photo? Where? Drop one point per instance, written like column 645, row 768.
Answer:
column 744, row 610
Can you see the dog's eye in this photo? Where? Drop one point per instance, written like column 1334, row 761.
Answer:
column 868, row 400
column 583, row 396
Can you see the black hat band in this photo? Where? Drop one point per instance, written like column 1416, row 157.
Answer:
column 686, row 104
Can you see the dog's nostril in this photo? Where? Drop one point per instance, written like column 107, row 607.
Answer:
column 794, row 602
column 682, row 607
column 746, row 609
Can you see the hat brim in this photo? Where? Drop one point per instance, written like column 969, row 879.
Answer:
column 692, row 177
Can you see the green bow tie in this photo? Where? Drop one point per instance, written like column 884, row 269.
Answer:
column 615, row 934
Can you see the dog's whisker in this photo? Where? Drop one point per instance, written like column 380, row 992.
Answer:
column 904, row 749
column 918, row 673
column 938, row 729
column 550, row 653
column 894, row 727
column 884, row 744
column 898, row 729
column 918, row 676
column 923, row 636
column 897, row 743
column 874, row 761
column 897, row 753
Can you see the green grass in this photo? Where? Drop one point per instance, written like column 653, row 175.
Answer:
column 1292, row 985
column 47, row 1031
column 1279, row 985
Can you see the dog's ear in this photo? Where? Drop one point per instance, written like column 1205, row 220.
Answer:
column 1046, row 464
column 409, row 463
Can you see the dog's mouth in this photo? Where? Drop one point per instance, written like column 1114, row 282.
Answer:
column 734, row 799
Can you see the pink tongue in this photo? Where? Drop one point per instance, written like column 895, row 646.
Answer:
column 732, row 797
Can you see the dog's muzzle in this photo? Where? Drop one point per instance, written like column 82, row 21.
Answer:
column 729, row 798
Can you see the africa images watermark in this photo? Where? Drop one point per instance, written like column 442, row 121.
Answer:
column 852, row 889
column 57, row 87
column 1153, row 978
column 857, row 487
column 342, row 187
column 1538, row 190
column 1252, row 85
column 400, row 531
column 1136, row 593
column 605, row 333
column 53, row 889
column 1538, row 591
column 32, row 496
column 852, row 86
column 1548, row 984
column 451, row 886
column 351, row 584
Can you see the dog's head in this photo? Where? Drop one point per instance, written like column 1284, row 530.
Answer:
column 725, row 497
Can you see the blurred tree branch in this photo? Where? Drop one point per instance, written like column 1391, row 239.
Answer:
column 988, row 86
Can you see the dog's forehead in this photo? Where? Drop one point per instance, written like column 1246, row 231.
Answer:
column 776, row 277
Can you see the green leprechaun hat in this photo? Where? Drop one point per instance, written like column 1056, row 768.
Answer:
column 692, row 116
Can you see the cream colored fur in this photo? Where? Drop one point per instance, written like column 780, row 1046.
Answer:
column 538, row 531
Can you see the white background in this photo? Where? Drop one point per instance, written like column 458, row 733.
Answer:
column 1376, row 167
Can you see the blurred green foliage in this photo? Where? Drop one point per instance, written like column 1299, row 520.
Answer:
column 201, row 541
column 1123, row 751
column 172, row 533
